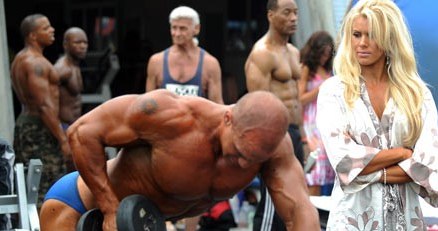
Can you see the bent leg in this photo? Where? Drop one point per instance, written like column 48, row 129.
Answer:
column 63, row 205
column 56, row 215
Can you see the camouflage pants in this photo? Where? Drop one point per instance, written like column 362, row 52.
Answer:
column 33, row 140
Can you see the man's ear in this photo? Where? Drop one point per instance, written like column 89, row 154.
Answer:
column 269, row 15
column 197, row 29
column 65, row 44
column 32, row 35
column 228, row 117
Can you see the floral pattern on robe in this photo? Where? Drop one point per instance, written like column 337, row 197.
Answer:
column 352, row 137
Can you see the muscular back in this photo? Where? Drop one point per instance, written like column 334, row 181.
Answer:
column 35, row 82
column 70, row 105
column 275, row 68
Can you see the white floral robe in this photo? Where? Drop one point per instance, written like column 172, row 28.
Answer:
column 352, row 137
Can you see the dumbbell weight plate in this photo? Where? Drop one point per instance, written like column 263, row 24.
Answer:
column 137, row 213
column 90, row 221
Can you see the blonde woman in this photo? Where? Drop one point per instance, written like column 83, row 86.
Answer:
column 378, row 122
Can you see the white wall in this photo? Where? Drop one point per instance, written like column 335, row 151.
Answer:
column 314, row 15
column 6, row 104
column 339, row 11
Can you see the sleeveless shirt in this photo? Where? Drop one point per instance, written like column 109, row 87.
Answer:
column 192, row 87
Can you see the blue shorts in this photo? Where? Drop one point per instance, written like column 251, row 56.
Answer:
column 66, row 190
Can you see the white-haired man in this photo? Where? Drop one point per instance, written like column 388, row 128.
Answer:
column 185, row 68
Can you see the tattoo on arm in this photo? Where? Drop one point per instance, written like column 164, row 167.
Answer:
column 38, row 70
column 149, row 106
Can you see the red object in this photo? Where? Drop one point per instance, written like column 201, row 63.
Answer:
column 216, row 211
column 104, row 26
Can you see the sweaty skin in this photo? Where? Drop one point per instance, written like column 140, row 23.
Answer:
column 182, row 153
column 75, row 47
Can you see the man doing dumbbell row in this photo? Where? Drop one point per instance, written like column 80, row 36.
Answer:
column 184, row 154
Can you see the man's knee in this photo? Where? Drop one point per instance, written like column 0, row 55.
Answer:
column 56, row 215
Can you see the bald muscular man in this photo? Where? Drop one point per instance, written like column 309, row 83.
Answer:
column 167, row 142
column 75, row 47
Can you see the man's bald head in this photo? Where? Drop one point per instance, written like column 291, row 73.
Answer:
column 261, row 113
column 260, row 108
column 75, row 43
column 73, row 31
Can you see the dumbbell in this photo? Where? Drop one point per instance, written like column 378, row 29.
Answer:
column 135, row 213
column 90, row 221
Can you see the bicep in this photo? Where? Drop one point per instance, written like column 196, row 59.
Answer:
column 257, row 72
column 38, row 85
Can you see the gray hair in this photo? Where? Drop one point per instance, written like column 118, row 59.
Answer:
column 184, row 12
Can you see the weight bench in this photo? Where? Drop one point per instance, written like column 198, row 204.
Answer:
column 24, row 202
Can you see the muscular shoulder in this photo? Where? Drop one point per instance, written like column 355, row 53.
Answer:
column 169, row 101
column 26, row 60
column 165, row 111
column 149, row 109
column 156, row 58
column 37, row 65
column 261, row 50
column 154, row 64
column 261, row 56
column 161, row 95
column 160, row 100
column 60, row 63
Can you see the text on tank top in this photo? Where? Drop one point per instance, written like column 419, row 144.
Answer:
column 192, row 87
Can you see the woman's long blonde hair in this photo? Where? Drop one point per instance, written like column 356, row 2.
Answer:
column 388, row 29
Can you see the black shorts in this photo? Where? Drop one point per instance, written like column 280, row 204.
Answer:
column 295, row 136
